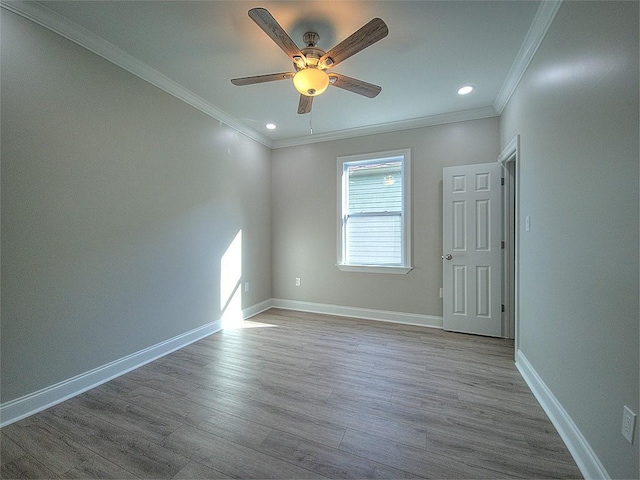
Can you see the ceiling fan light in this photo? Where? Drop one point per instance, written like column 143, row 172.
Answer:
column 311, row 81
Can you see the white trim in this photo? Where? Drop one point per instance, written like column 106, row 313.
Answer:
column 510, row 151
column 45, row 17
column 47, row 397
column 584, row 456
column 355, row 312
column 442, row 119
column 373, row 269
column 510, row 225
column 256, row 309
column 35, row 402
column 407, row 219
column 537, row 31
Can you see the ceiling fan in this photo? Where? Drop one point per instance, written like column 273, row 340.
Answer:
column 311, row 63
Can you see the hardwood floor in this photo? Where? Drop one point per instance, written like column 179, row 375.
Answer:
column 302, row 396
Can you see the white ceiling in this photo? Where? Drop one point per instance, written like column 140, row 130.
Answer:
column 194, row 48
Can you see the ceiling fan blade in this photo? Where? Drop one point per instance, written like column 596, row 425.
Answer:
column 304, row 106
column 271, row 77
column 273, row 29
column 354, row 85
column 373, row 31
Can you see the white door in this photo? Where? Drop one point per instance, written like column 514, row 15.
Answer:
column 472, row 258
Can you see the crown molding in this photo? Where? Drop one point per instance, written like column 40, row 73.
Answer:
column 47, row 18
column 442, row 119
column 537, row 31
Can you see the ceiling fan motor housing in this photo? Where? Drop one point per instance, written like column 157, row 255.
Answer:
column 312, row 54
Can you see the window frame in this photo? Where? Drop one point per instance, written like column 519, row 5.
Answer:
column 405, row 156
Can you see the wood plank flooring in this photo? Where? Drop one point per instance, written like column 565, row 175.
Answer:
column 299, row 396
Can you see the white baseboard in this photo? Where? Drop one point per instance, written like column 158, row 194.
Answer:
column 27, row 405
column 35, row 402
column 256, row 309
column 10, row 412
column 355, row 312
column 584, row 456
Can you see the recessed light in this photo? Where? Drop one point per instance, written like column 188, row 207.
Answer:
column 271, row 126
column 465, row 90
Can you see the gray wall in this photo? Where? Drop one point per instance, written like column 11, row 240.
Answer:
column 576, row 110
column 118, row 202
column 305, row 209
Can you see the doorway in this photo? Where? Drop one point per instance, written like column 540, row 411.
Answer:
column 480, row 246
column 509, row 160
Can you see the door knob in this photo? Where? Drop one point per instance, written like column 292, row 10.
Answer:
column 447, row 256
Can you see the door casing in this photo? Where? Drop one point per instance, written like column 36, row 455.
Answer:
column 509, row 158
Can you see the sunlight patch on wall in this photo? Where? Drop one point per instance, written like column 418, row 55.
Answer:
column 230, row 280
column 230, row 288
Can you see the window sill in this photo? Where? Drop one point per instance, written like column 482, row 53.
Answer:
column 374, row 269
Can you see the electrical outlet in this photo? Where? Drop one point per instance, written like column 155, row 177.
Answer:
column 628, row 423
column 297, row 281
column 246, row 286
column 440, row 292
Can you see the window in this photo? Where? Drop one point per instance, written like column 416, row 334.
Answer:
column 374, row 217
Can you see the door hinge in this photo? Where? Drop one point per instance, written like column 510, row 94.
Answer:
column 503, row 307
column 502, row 181
column 502, row 245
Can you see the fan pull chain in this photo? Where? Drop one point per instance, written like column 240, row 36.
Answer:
column 310, row 123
